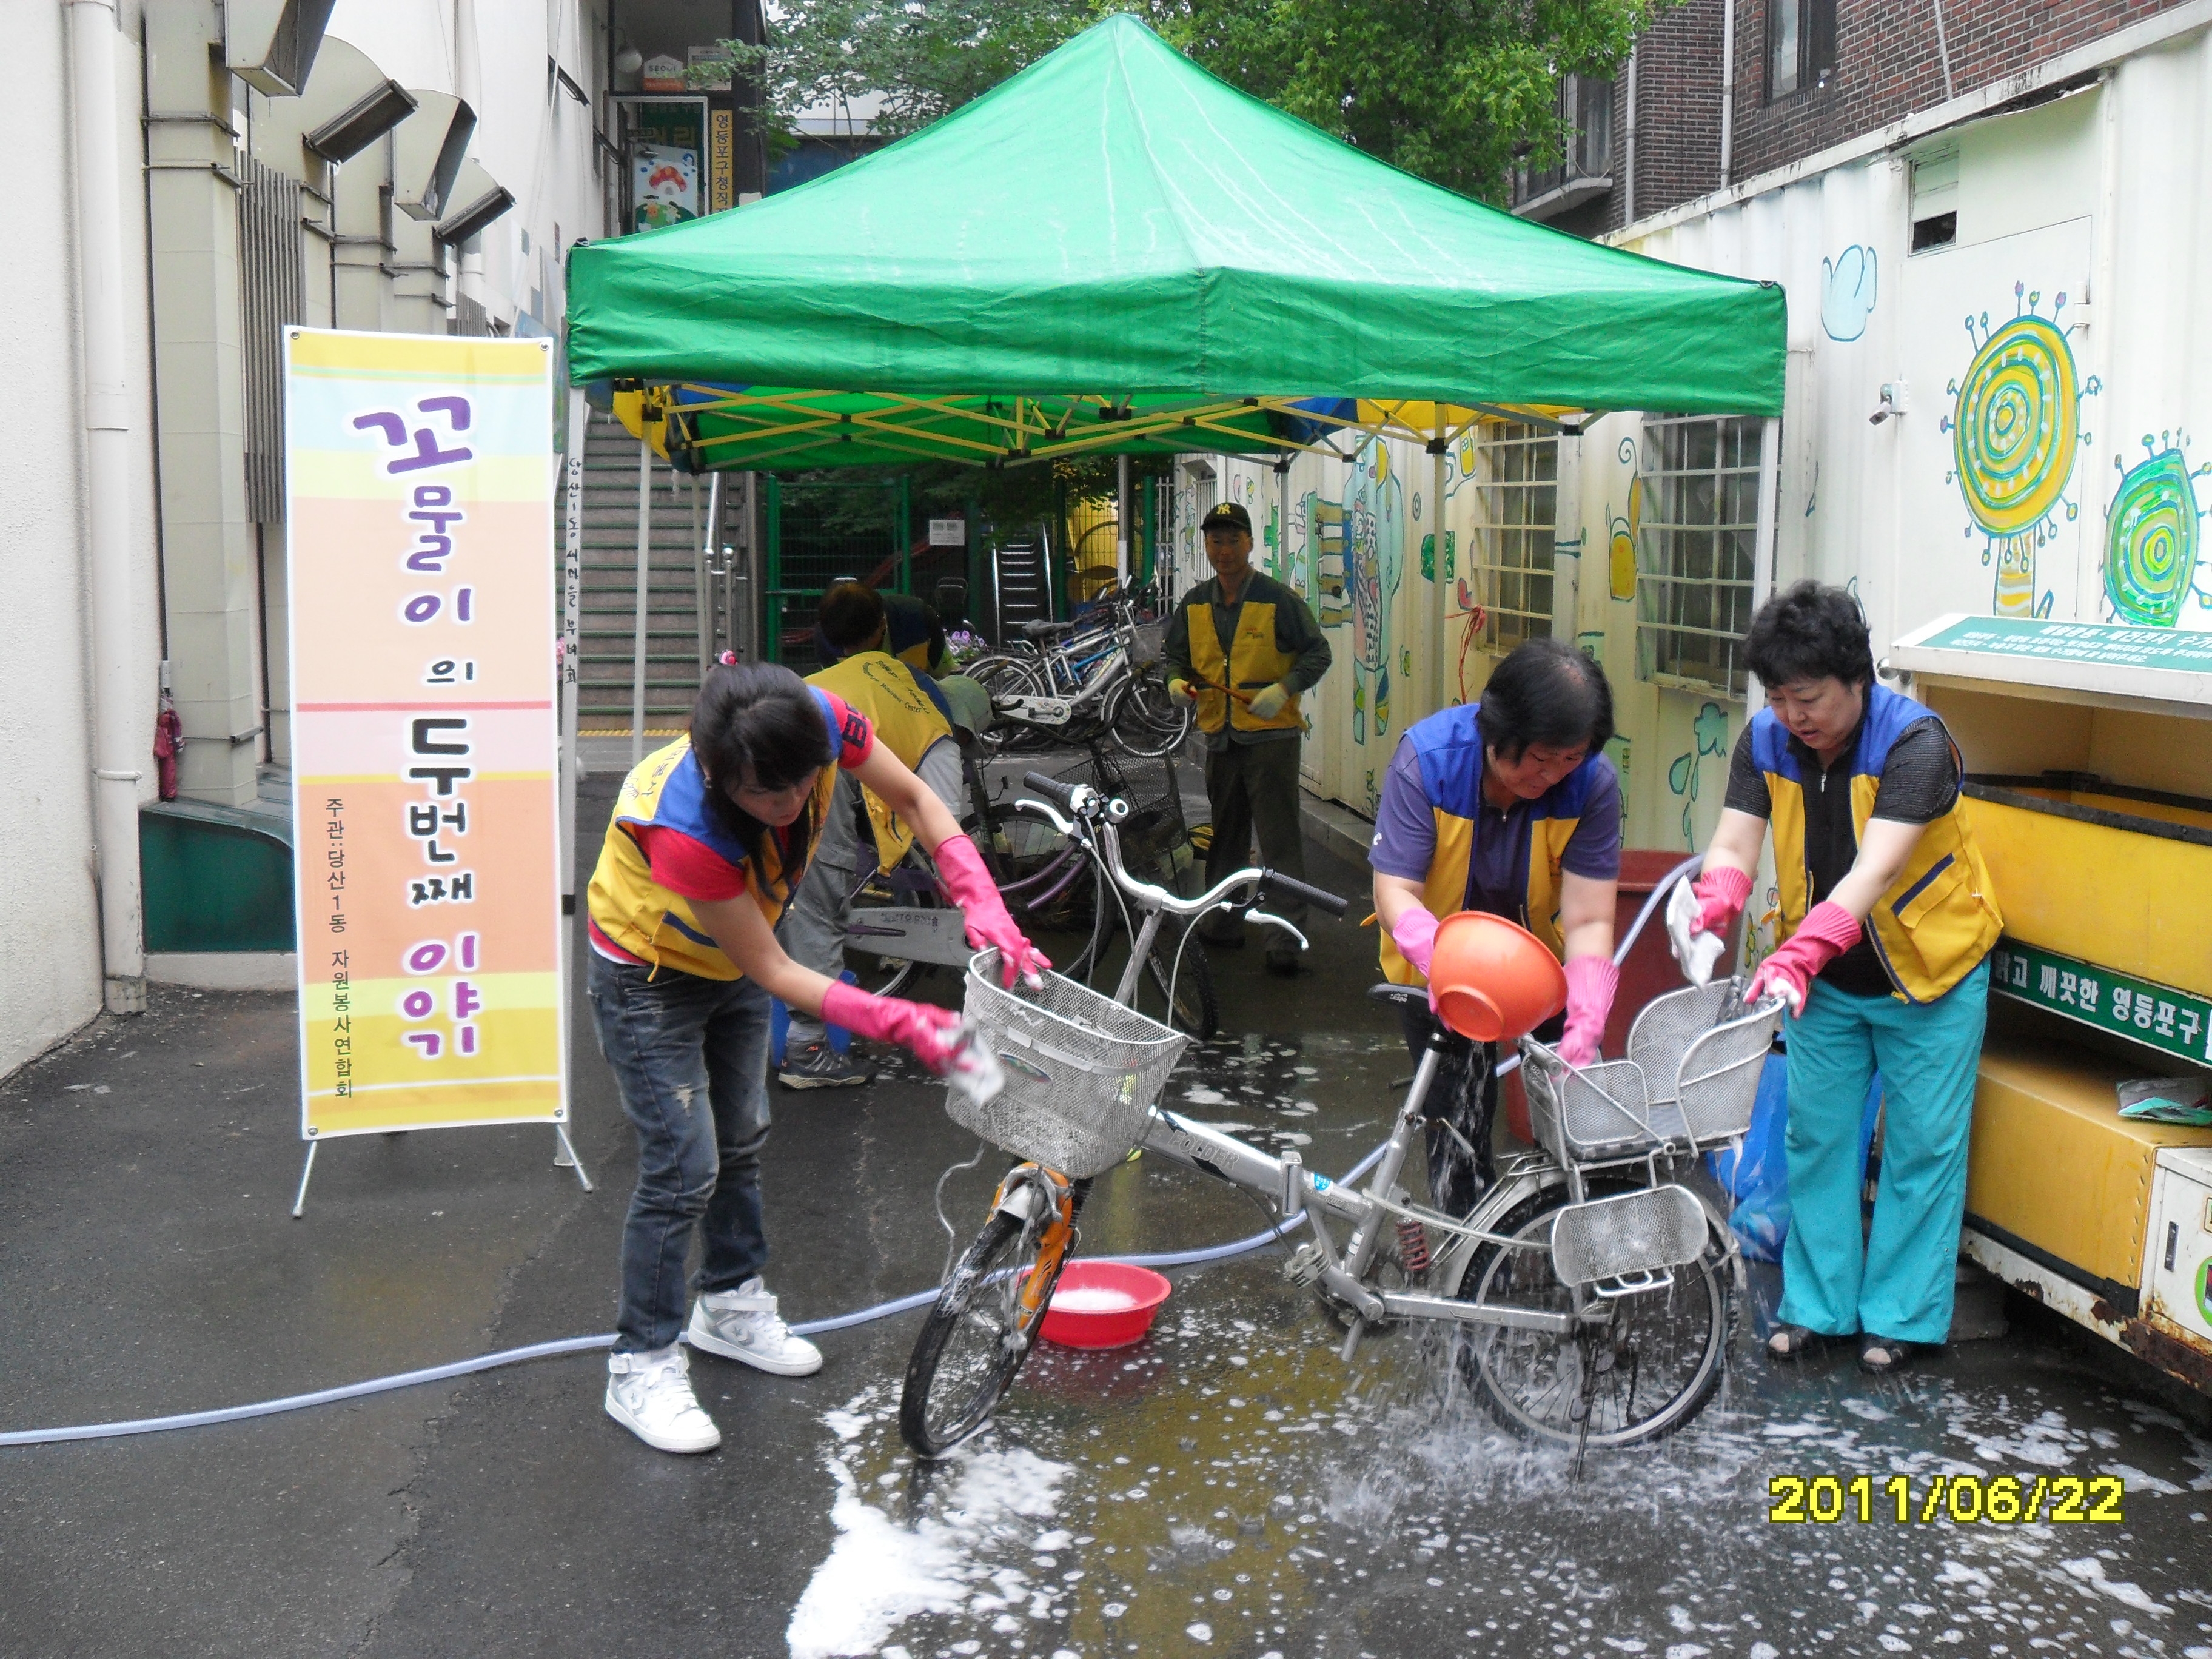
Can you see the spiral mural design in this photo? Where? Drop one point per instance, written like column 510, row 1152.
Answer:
column 2015, row 431
column 2150, row 541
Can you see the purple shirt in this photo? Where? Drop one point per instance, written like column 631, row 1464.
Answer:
column 1497, row 873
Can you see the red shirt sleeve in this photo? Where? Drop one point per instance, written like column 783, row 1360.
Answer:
column 856, row 733
column 687, row 867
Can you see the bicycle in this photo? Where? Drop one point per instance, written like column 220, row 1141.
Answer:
column 1587, row 1306
column 1079, row 679
column 899, row 919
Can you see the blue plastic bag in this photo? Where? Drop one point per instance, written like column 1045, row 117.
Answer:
column 1757, row 1177
column 779, row 1026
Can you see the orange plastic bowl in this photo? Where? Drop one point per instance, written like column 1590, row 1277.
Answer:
column 1493, row 979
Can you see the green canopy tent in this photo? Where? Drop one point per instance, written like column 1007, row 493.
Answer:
column 1114, row 250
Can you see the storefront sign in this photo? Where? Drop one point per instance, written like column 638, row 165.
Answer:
column 721, row 161
column 2173, row 1022
column 420, row 490
column 2075, row 642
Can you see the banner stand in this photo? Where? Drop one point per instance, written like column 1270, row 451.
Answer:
column 434, row 754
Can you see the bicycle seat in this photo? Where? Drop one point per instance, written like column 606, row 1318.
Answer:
column 1401, row 993
column 1042, row 630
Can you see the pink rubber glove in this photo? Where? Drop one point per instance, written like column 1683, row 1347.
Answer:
column 962, row 869
column 1591, row 982
column 1415, row 934
column 1826, row 933
column 927, row 1032
column 1721, row 893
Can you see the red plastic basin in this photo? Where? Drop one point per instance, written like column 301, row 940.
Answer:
column 1102, row 1305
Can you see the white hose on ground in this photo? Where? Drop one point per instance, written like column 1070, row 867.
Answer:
column 584, row 1344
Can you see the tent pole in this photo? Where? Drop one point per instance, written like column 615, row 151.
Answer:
column 1121, row 520
column 644, row 556
column 1762, row 545
column 1444, row 588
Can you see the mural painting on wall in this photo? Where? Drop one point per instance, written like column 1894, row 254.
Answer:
column 2015, row 430
column 1325, row 560
column 2151, row 536
column 1709, row 739
column 1847, row 293
column 1621, row 531
column 1374, row 554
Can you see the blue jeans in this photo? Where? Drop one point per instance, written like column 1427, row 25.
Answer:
column 1899, row 1282
column 690, row 1056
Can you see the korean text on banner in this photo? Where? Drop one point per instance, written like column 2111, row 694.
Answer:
column 424, row 731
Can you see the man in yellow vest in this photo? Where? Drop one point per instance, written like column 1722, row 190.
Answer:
column 1244, row 647
column 911, row 718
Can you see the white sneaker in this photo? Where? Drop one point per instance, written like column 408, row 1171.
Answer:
column 742, row 1324
column 650, row 1394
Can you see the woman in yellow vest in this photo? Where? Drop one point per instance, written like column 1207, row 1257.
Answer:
column 1508, row 806
column 910, row 716
column 1887, row 922
column 709, row 837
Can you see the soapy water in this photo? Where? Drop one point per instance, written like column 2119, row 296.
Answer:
column 1092, row 1298
column 1228, row 1486
column 1227, row 1473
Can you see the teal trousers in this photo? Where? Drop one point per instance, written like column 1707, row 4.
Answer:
column 1899, row 1282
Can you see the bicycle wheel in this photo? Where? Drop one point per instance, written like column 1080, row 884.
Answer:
column 981, row 1329
column 1145, row 720
column 1641, row 1377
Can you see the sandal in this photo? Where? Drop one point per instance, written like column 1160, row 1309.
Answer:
column 1879, row 1356
column 1792, row 1342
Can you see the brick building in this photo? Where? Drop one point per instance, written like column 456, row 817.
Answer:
column 1809, row 75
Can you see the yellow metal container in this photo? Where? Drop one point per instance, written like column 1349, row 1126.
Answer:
column 2099, row 872
column 2052, row 1162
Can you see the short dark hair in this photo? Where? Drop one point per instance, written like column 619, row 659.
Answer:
column 1545, row 692
column 761, row 719
column 851, row 613
column 1808, row 632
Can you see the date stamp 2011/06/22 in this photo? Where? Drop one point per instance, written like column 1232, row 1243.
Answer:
column 2005, row 1500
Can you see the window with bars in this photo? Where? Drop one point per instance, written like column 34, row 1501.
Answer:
column 1694, row 550
column 1516, row 472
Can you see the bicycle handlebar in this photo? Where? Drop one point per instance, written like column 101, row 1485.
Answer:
column 1313, row 895
column 1051, row 788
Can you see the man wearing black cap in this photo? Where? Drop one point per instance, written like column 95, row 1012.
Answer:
column 1243, row 646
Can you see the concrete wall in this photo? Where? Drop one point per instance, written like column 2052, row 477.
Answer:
column 50, row 974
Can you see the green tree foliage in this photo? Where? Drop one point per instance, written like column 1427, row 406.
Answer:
column 1452, row 90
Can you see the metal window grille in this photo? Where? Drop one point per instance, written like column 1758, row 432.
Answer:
column 1694, row 552
column 271, row 281
column 1584, row 113
column 1517, row 471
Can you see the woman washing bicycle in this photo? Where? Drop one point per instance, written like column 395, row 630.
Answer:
column 1507, row 805
column 709, row 838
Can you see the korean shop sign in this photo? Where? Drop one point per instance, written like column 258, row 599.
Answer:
column 2173, row 1022
column 420, row 484
column 2090, row 643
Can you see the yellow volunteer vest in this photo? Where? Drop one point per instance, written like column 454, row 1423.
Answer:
column 883, row 689
column 1251, row 662
column 1939, row 917
column 640, row 915
column 1449, row 743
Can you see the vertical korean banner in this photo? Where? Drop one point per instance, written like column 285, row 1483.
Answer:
column 425, row 800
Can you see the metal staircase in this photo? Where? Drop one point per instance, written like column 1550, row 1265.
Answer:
column 1022, row 580
column 679, row 612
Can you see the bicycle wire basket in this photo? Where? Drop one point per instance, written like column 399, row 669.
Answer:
column 1147, row 643
column 1081, row 1070
column 1639, row 1233
column 1689, row 1081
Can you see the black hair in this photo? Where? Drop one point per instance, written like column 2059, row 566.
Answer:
column 1545, row 692
column 851, row 613
column 760, row 719
column 1809, row 632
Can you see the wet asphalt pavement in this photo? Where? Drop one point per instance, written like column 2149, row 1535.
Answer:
column 1226, row 1487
